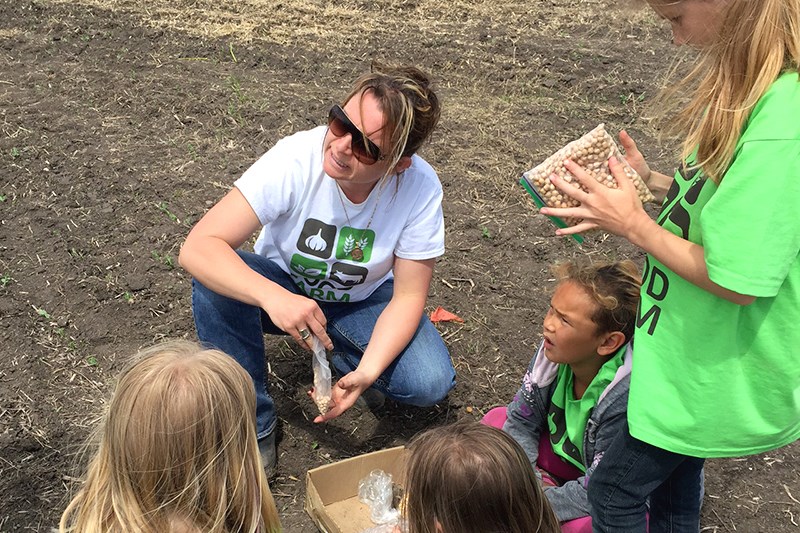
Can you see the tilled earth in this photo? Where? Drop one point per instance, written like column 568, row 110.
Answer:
column 122, row 122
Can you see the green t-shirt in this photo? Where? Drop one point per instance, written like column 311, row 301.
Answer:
column 567, row 417
column 712, row 378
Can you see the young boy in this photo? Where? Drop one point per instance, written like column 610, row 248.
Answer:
column 574, row 395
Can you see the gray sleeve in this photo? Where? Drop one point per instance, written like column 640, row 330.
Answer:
column 526, row 417
column 569, row 501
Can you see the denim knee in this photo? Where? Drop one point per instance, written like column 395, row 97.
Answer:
column 432, row 395
column 427, row 387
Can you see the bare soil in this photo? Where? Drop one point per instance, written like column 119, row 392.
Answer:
column 122, row 122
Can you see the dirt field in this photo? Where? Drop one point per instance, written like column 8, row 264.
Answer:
column 123, row 121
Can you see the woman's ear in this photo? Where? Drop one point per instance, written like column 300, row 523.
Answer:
column 402, row 164
column 611, row 343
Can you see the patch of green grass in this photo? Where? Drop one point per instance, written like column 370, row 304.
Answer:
column 626, row 99
column 15, row 152
column 42, row 313
column 5, row 281
column 192, row 151
column 162, row 206
column 91, row 360
column 75, row 253
column 165, row 259
column 485, row 233
column 237, row 100
column 72, row 345
column 128, row 297
column 236, row 86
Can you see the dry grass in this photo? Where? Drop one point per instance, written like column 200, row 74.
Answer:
column 490, row 57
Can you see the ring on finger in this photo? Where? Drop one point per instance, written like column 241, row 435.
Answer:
column 304, row 333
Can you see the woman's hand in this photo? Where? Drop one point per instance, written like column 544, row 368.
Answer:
column 657, row 182
column 345, row 393
column 209, row 254
column 615, row 210
column 298, row 316
column 634, row 157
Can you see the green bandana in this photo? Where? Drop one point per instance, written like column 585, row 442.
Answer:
column 567, row 416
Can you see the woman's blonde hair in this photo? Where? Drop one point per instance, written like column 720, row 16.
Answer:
column 471, row 478
column 757, row 41
column 613, row 287
column 177, row 450
column 405, row 95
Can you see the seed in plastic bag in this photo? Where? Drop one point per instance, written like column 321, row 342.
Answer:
column 323, row 403
column 591, row 152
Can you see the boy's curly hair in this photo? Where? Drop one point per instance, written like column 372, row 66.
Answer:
column 614, row 287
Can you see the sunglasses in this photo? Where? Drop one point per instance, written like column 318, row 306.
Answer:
column 363, row 149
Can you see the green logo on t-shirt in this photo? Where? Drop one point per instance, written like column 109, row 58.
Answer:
column 308, row 268
column 355, row 244
column 680, row 215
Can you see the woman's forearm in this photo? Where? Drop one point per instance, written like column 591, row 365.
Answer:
column 393, row 331
column 398, row 322
column 216, row 265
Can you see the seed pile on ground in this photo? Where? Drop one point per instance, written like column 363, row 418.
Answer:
column 592, row 152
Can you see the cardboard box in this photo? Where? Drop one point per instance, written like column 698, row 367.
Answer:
column 332, row 490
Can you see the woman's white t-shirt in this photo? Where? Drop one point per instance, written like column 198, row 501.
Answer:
column 334, row 253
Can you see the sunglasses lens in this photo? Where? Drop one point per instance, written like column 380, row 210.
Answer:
column 363, row 149
column 337, row 127
column 362, row 152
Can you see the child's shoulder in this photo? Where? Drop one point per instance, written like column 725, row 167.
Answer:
column 775, row 115
column 785, row 91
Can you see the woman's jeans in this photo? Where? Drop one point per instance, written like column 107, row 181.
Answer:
column 421, row 375
column 632, row 470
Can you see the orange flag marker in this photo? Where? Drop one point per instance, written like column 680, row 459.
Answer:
column 441, row 314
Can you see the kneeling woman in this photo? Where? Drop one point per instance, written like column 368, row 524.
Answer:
column 351, row 223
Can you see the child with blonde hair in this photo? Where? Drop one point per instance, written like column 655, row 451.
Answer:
column 470, row 478
column 177, row 451
column 574, row 395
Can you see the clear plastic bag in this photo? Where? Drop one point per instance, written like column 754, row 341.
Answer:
column 322, row 376
column 592, row 152
column 387, row 528
column 377, row 491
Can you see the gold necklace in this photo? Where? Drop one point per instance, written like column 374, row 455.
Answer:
column 357, row 251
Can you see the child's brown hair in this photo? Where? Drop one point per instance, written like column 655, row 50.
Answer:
column 177, row 450
column 471, row 478
column 614, row 288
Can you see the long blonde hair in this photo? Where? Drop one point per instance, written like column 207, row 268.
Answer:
column 177, row 450
column 471, row 478
column 757, row 41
